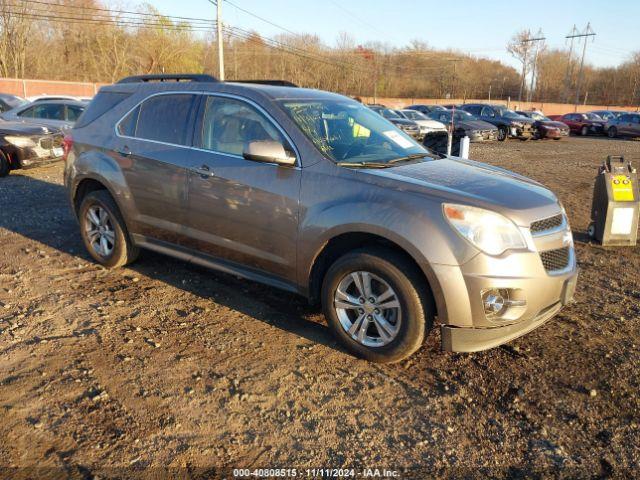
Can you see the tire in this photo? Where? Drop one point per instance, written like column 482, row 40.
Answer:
column 584, row 131
column 591, row 230
column 556, row 139
column 612, row 132
column 122, row 251
column 4, row 165
column 412, row 319
column 503, row 133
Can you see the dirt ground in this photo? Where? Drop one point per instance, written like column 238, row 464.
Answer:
column 165, row 369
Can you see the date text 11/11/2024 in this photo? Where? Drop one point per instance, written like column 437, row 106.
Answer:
column 315, row 473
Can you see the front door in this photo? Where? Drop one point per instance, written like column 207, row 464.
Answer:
column 241, row 210
column 153, row 150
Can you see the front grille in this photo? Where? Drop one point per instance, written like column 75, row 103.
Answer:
column 546, row 224
column 554, row 260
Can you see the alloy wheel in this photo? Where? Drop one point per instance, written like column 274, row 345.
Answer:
column 100, row 231
column 368, row 308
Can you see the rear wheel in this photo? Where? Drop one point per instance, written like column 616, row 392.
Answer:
column 4, row 165
column 104, row 232
column 584, row 131
column 503, row 133
column 612, row 132
column 376, row 305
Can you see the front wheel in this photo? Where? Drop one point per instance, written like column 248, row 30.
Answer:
column 503, row 133
column 376, row 305
column 612, row 132
column 104, row 232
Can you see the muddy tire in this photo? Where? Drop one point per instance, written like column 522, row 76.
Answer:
column 104, row 231
column 503, row 133
column 4, row 165
column 377, row 305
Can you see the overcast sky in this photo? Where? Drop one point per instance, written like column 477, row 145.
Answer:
column 481, row 28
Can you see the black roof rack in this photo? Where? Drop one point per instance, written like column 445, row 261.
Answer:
column 175, row 77
column 277, row 83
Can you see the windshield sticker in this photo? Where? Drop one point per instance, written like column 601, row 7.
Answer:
column 398, row 139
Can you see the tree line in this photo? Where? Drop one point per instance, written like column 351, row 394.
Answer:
column 82, row 40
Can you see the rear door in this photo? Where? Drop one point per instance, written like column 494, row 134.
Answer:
column 241, row 210
column 153, row 146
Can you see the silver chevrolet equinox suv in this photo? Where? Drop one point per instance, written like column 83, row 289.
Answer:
column 314, row 193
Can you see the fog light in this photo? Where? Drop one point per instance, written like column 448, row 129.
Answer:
column 494, row 301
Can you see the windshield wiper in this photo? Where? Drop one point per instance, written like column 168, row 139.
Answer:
column 363, row 164
column 408, row 158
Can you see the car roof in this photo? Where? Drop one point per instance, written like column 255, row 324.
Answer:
column 271, row 92
column 62, row 101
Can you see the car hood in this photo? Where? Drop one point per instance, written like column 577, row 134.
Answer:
column 401, row 121
column 475, row 125
column 429, row 123
column 551, row 124
column 20, row 128
column 473, row 183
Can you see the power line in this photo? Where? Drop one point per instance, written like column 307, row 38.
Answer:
column 83, row 7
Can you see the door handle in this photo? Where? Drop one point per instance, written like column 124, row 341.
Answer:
column 124, row 151
column 204, row 171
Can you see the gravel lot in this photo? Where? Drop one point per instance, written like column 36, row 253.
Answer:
column 168, row 369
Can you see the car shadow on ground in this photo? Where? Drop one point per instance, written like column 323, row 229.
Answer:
column 42, row 214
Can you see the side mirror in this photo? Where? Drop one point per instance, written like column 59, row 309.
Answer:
column 268, row 151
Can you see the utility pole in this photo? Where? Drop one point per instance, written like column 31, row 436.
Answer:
column 588, row 32
column 569, row 73
column 534, row 68
column 220, row 40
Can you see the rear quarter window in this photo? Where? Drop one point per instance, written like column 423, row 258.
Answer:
column 101, row 104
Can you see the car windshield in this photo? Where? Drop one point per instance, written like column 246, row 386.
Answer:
column 539, row 116
column 388, row 113
column 14, row 101
column 505, row 112
column 413, row 115
column 445, row 115
column 347, row 131
column 593, row 116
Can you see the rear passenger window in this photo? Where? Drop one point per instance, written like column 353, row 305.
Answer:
column 127, row 126
column 165, row 118
column 228, row 125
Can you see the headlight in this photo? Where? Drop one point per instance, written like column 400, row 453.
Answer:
column 21, row 142
column 489, row 231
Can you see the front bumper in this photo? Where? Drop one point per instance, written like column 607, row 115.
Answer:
column 460, row 339
column 540, row 279
column 46, row 150
column 482, row 136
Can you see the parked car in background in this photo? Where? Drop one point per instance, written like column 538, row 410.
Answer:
column 60, row 114
column 544, row 127
column 426, row 124
column 608, row 114
column 9, row 102
column 40, row 98
column 626, row 125
column 508, row 122
column 282, row 185
column 23, row 145
column 426, row 109
column 407, row 126
column 466, row 124
column 582, row 123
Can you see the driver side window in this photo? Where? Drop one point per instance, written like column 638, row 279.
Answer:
column 487, row 112
column 228, row 125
